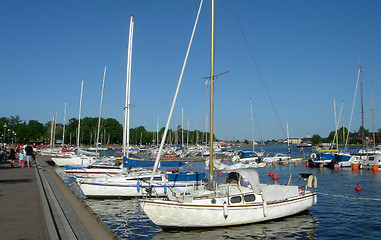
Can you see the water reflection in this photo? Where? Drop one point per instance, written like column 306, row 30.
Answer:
column 301, row 226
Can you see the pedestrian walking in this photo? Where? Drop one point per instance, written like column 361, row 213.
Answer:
column 12, row 155
column 29, row 155
column 21, row 158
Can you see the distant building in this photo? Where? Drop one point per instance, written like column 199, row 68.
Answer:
column 293, row 140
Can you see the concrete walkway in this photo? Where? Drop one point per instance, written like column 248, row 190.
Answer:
column 36, row 204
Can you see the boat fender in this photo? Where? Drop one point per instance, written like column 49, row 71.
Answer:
column 138, row 186
column 265, row 210
column 225, row 210
column 312, row 181
column 165, row 188
column 313, row 155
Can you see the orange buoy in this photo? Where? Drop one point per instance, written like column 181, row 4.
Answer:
column 321, row 165
column 296, row 164
column 190, row 168
column 273, row 163
column 271, row 174
column 275, row 177
column 358, row 188
column 220, row 174
column 284, row 163
column 307, row 165
column 355, row 167
column 375, row 168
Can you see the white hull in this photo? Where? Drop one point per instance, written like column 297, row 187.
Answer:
column 199, row 214
column 135, row 184
column 130, row 189
column 93, row 172
column 74, row 161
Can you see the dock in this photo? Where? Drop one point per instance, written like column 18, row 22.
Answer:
column 35, row 203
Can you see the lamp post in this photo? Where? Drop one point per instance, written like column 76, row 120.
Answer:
column 5, row 126
column 9, row 132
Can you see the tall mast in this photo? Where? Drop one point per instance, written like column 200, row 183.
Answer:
column 374, row 133
column 79, row 116
column 343, row 127
column 63, row 131
column 211, row 101
column 252, row 122
column 337, row 139
column 362, row 112
column 126, row 125
column 100, row 111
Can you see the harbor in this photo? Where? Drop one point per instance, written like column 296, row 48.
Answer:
column 162, row 178
column 72, row 215
column 340, row 208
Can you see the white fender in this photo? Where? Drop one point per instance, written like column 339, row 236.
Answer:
column 265, row 210
column 225, row 210
column 313, row 155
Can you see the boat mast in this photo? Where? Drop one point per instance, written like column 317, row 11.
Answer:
column 100, row 111
column 337, row 139
column 63, row 130
column 252, row 122
column 211, row 180
column 362, row 111
column 374, row 133
column 126, row 125
column 79, row 117
column 174, row 99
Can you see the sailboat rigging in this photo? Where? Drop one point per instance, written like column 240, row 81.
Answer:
column 242, row 199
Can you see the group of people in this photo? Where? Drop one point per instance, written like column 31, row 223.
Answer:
column 24, row 155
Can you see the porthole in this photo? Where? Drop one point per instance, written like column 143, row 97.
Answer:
column 249, row 198
column 236, row 199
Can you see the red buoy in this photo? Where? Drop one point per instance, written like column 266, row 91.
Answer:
column 358, row 188
column 307, row 165
column 275, row 177
column 271, row 174
column 220, row 174
column 190, row 168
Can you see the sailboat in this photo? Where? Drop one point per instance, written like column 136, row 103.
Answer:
column 242, row 199
column 81, row 158
column 133, row 178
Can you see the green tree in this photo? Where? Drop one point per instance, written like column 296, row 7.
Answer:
column 316, row 139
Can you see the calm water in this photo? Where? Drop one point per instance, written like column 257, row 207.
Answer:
column 340, row 213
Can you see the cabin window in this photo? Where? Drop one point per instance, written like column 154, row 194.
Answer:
column 245, row 183
column 236, row 199
column 249, row 198
column 232, row 178
column 148, row 179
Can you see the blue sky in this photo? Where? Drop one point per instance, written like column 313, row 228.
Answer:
column 308, row 53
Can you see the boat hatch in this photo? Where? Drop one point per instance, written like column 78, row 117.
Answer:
column 233, row 177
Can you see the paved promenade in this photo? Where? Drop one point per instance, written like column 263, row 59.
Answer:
column 36, row 204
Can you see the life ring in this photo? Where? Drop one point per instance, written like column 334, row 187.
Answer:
column 312, row 181
column 313, row 155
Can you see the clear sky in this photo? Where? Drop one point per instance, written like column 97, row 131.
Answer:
column 308, row 54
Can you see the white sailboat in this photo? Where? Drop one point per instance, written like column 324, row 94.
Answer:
column 242, row 199
column 81, row 157
column 134, row 182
